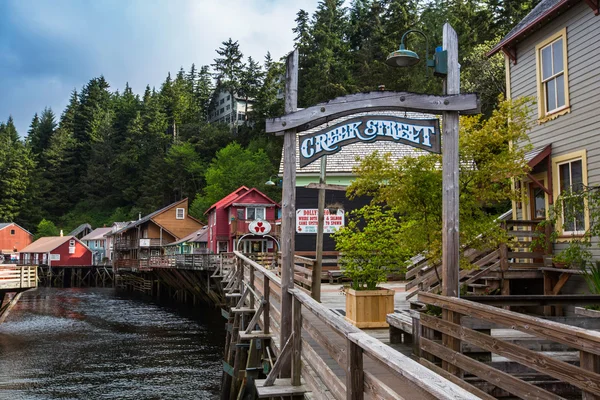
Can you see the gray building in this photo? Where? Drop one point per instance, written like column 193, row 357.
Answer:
column 552, row 55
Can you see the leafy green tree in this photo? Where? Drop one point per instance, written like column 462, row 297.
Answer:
column 368, row 255
column 186, row 170
column 46, row 228
column 232, row 167
column 411, row 187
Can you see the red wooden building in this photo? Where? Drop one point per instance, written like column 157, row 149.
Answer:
column 231, row 219
column 57, row 251
column 13, row 238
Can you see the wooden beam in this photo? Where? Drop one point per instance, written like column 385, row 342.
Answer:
column 496, row 377
column 311, row 117
column 315, row 289
column 561, row 282
column 581, row 339
column 355, row 389
column 327, row 186
column 467, row 386
column 539, row 184
column 450, row 169
column 594, row 5
column 282, row 360
column 296, row 351
column 563, row 371
column 288, row 202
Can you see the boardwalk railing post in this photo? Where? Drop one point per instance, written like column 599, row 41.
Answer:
column 297, row 343
column 355, row 377
column 590, row 362
column 266, row 296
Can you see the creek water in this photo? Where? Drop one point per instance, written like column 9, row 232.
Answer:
column 100, row 344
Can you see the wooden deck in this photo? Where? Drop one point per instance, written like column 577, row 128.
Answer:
column 14, row 278
column 325, row 355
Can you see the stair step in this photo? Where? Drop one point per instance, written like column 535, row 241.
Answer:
column 280, row 388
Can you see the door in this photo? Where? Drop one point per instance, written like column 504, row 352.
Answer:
column 537, row 201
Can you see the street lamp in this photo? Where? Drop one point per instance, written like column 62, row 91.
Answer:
column 407, row 58
column 270, row 182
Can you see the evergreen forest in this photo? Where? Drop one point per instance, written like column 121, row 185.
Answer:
column 112, row 154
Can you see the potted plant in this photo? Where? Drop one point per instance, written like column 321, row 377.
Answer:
column 368, row 254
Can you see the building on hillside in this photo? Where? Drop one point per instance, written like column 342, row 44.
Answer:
column 194, row 243
column 552, row 55
column 57, row 251
column 233, row 220
column 97, row 242
column 13, row 238
column 227, row 109
column 110, row 238
column 339, row 172
column 81, row 231
column 139, row 243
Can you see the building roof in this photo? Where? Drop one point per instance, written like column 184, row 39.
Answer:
column 46, row 244
column 539, row 16
column 201, row 235
column 227, row 199
column 7, row 224
column 240, row 197
column 344, row 160
column 150, row 216
column 80, row 229
column 97, row 234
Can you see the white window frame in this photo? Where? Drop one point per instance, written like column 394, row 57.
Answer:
column 178, row 215
column 264, row 210
column 543, row 112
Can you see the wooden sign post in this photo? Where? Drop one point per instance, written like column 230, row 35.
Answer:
column 288, row 206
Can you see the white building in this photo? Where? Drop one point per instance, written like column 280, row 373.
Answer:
column 228, row 109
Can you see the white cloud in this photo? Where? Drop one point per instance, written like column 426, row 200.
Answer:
column 139, row 41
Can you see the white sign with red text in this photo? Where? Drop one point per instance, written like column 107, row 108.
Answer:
column 307, row 220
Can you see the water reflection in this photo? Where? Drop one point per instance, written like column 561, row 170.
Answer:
column 95, row 344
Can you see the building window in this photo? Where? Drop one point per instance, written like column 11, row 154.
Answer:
column 255, row 213
column 222, row 110
column 228, row 119
column 12, row 232
column 552, row 75
column 228, row 107
column 222, row 101
column 570, row 172
column 180, row 213
column 228, row 97
column 241, row 116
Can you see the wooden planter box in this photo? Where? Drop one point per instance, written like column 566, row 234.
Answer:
column 368, row 308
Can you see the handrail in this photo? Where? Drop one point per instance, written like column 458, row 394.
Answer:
column 357, row 342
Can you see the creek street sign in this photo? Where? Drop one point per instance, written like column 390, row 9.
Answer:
column 421, row 133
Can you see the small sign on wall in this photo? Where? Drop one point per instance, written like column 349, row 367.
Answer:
column 307, row 220
column 54, row 257
column 144, row 242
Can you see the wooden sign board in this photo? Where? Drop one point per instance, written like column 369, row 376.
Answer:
column 421, row 133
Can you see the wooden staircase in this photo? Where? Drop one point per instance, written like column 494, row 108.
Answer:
column 492, row 269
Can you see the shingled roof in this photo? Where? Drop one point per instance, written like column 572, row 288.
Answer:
column 539, row 16
column 343, row 161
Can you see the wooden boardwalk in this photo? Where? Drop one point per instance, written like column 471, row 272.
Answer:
column 14, row 280
column 325, row 355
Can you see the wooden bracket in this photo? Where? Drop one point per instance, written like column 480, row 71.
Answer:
column 511, row 53
column 594, row 5
column 539, row 184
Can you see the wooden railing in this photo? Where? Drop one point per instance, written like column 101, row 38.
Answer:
column 508, row 261
column 183, row 261
column 456, row 335
column 21, row 277
column 371, row 367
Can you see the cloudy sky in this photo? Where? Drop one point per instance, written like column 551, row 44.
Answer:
column 50, row 47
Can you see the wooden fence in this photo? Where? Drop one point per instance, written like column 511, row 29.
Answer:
column 21, row 277
column 455, row 335
column 364, row 365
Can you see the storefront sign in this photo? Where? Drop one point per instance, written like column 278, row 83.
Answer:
column 144, row 242
column 259, row 227
column 307, row 220
column 421, row 133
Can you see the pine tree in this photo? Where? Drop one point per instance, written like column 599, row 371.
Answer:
column 229, row 67
column 16, row 165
